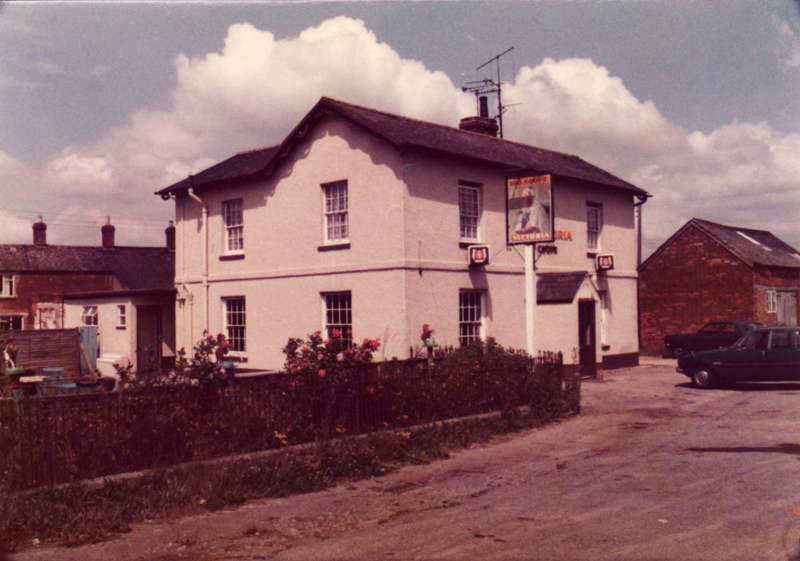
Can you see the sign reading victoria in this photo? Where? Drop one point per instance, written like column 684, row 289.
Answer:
column 529, row 207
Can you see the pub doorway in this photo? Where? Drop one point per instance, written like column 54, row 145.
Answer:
column 587, row 338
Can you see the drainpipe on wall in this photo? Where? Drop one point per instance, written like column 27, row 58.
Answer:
column 204, row 218
column 638, row 218
column 637, row 207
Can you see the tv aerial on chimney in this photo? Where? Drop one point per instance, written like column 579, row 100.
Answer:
column 489, row 86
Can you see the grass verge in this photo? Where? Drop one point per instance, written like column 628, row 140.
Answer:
column 81, row 513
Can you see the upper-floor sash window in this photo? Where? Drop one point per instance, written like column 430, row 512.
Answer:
column 469, row 211
column 233, row 218
column 336, row 212
column 594, row 225
column 7, row 286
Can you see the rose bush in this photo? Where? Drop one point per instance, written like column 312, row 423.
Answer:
column 330, row 358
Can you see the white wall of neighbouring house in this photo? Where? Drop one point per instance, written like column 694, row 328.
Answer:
column 117, row 343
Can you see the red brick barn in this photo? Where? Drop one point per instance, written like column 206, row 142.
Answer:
column 709, row 271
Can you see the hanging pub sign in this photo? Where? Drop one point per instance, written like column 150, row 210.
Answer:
column 605, row 262
column 478, row 255
column 529, row 210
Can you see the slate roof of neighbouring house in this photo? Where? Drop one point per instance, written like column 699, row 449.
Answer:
column 404, row 132
column 134, row 267
column 751, row 246
column 552, row 288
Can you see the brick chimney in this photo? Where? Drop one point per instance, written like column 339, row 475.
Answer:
column 170, row 233
column 107, row 233
column 482, row 124
column 39, row 232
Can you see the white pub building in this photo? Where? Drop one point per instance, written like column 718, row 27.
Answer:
column 362, row 221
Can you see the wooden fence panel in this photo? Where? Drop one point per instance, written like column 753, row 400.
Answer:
column 46, row 348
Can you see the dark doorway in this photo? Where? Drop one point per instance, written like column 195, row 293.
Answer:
column 587, row 340
column 148, row 338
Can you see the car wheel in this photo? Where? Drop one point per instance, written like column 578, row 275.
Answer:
column 703, row 378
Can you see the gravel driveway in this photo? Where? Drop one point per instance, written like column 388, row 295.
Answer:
column 652, row 470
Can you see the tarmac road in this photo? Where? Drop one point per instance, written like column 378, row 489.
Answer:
column 652, row 470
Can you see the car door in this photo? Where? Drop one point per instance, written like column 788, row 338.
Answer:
column 779, row 357
column 746, row 361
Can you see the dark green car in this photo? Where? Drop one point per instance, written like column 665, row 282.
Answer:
column 765, row 354
column 713, row 335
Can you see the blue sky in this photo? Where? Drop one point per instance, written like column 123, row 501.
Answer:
column 101, row 104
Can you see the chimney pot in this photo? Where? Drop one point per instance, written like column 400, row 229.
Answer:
column 107, row 233
column 170, row 233
column 39, row 232
column 483, row 110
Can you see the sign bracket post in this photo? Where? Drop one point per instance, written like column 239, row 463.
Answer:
column 530, row 300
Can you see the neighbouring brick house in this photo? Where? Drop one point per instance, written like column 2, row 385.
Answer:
column 41, row 283
column 709, row 271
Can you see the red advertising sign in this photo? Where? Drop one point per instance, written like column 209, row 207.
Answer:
column 605, row 262
column 478, row 255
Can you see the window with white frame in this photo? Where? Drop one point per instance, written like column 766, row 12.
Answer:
column 469, row 210
column 89, row 315
column 234, row 226
column 7, row 286
column 235, row 323
column 339, row 317
column 594, row 225
column 772, row 301
column 470, row 316
column 336, row 219
column 10, row 323
column 122, row 316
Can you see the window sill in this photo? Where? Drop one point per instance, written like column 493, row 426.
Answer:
column 605, row 348
column 235, row 358
column 231, row 257
column 333, row 246
column 464, row 244
column 121, row 327
column 592, row 252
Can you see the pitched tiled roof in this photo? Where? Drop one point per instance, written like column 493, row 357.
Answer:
column 404, row 132
column 134, row 267
column 552, row 288
column 751, row 246
column 240, row 166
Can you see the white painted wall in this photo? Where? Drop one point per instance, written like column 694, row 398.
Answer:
column 118, row 344
column 404, row 267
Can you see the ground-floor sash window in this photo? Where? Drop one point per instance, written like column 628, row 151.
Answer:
column 470, row 316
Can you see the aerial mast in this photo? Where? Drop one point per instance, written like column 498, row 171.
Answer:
column 490, row 86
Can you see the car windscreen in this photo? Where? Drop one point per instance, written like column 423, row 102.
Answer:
column 754, row 340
